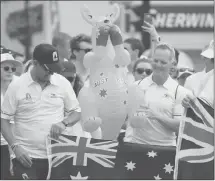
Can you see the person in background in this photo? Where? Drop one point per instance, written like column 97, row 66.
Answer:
column 8, row 69
column 183, row 74
column 37, row 101
column 135, row 48
column 70, row 74
column 161, row 109
column 203, row 92
column 80, row 45
column 142, row 68
column 61, row 41
column 194, row 82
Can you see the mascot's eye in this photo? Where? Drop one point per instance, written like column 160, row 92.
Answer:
column 106, row 21
column 90, row 16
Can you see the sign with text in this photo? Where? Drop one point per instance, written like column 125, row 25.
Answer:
column 184, row 18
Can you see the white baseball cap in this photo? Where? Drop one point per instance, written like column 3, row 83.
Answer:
column 7, row 57
column 209, row 52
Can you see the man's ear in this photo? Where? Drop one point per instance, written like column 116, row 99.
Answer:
column 35, row 62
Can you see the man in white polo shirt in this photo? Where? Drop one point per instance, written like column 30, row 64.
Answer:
column 37, row 101
column 160, row 104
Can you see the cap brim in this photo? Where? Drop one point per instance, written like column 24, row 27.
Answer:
column 55, row 67
column 184, row 73
column 209, row 53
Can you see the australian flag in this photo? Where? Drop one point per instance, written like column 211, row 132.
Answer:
column 72, row 157
column 195, row 151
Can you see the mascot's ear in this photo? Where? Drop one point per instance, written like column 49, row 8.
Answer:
column 87, row 15
column 114, row 15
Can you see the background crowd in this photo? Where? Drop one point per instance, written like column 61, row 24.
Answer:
column 156, row 72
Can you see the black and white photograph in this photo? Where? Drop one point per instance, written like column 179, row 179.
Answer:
column 107, row 90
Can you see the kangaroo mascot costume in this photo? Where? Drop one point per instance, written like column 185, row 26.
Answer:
column 104, row 102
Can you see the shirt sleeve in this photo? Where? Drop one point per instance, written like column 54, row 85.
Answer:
column 9, row 104
column 70, row 100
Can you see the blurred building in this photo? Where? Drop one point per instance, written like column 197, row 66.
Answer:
column 187, row 25
column 43, row 23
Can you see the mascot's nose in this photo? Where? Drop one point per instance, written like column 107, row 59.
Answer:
column 106, row 21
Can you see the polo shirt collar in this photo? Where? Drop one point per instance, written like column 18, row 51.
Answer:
column 168, row 84
column 30, row 80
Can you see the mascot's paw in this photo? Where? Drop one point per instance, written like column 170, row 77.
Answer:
column 137, row 120
column 89, row 58
column 115, row 35
column 91, row 124
column 102, row 36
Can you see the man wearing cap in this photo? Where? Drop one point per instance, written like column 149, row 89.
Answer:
column 194, row 82
column 204, row 80
column 38, row 101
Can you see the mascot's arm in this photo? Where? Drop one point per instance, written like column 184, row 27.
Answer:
column 122, row 57
column 90, row 120
column 136, row 119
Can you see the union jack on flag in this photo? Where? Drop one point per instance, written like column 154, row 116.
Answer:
column 195, row 150
column 81, row 149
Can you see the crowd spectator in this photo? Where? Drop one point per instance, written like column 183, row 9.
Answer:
column 142, row 68
column 38, row 100
column 202, row 84
column 135, row 48
column 8, row 69
column 80, row 45
column 61, row 41
column 70, row 74
column 194, row 82
column 162, row 103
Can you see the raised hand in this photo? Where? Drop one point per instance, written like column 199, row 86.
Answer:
column 150, row 29
column 115, row 35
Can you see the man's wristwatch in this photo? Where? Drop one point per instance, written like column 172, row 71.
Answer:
column 65, row 124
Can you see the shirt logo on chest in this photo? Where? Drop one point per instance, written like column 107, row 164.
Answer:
column 28, row 96
column 52, row 95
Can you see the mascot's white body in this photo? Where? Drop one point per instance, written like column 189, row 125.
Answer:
column 104, row 102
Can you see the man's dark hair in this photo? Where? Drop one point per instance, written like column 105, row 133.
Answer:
column 75, row 42
column 136, row 44
column 60, row 39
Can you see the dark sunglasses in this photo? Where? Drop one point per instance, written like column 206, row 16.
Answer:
column 6, row 69
column 142, row 70
column 70, row 79
column 85, row 50
column 186, row 69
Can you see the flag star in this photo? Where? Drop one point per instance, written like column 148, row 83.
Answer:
column 168, row 168
column 130, row 165
column 103, row 93
column 157, row 177
column 78, row 177
column 117, row 66
column 152, row 154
